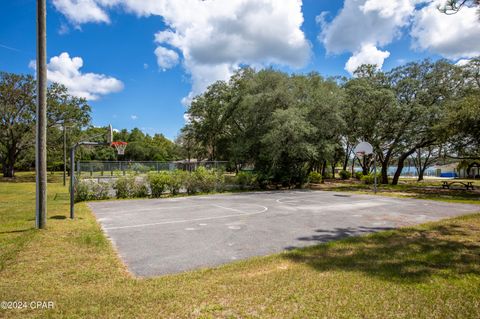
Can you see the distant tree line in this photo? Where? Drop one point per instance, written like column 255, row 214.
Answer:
column 17, row 129
column 282, row 126
column 286, row 126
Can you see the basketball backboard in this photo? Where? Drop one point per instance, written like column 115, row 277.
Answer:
column 363, row 148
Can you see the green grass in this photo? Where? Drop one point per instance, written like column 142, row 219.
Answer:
column 25, row 177
column 428, row 271
column 427, row 189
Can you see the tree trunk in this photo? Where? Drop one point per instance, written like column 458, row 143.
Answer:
column 363, row 163
column 401, row 164
column 8, row 170
column 345, row 163
column 9, row 163
column 347, row 157
column 324, row 168
column 420, row 174
column 384, row 172
column 333, row 171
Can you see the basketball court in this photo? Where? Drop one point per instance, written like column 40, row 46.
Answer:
column 164, row 236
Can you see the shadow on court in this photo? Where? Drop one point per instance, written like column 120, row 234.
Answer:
column 326, row 235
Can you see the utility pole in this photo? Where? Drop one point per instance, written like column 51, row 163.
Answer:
column 41, row 128
column 64, row 154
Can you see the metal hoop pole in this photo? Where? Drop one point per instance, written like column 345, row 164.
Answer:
column 375, row 172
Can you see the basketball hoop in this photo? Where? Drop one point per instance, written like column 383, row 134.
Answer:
column 363, row 148
column 120, row 147
column 360, row 154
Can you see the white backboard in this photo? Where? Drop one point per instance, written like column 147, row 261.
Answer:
column 364, row 148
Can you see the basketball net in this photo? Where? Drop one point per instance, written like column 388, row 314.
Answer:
column 120, row 147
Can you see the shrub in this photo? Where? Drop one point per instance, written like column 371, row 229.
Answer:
column 177, row 179
column 124, row 187
column 100, row 191
column 263, row 180
column 344, row 174
column 246, row 179
column 158, row 183
column 314, row 177
column 219, row 180
column 327, row 174
column 140, row 189
column 358, row 175
column 91, row 190
column 82, row 191
column 370, row 178
column 204, row 180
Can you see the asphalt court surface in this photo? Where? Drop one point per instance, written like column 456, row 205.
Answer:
column 163, row 236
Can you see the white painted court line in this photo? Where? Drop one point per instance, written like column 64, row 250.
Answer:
column 117, row 210
column 190, row 220
column 232, row 209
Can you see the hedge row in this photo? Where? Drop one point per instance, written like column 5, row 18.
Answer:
column 161, row 183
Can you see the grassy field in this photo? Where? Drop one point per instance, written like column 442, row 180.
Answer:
column 428, row 271
column 428, row 189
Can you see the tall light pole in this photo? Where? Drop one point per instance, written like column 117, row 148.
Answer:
column 41, row 128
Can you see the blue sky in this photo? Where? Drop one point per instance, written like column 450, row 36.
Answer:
column 135, row 76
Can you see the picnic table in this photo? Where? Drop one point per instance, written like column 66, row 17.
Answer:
column 447, row 184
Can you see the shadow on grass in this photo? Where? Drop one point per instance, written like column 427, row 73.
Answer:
column 406, row 255
column 17, row 231
column 58, row 217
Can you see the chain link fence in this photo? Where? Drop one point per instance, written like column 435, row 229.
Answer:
column 86, row 169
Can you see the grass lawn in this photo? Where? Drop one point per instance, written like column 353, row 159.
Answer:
column 427, row 189
column 429, row 271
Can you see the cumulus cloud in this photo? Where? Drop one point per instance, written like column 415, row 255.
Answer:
column 82, row 11
column 365, row 21
column 364, row 25
column 134, row 117
column 368, row 54
column 213, row 38
column 452, row 36
column 380, row 22
column 66, row 70
column 166, row 58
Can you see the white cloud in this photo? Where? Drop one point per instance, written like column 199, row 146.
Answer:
column 364, row 25
column 65, row 70
column 380, row 22
column 366, row 21
column 134, row 117
column 452, row 36
column 462, row 62
column 368, row 54
column 166, row 58
column 82, row 11
column 215, row 37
